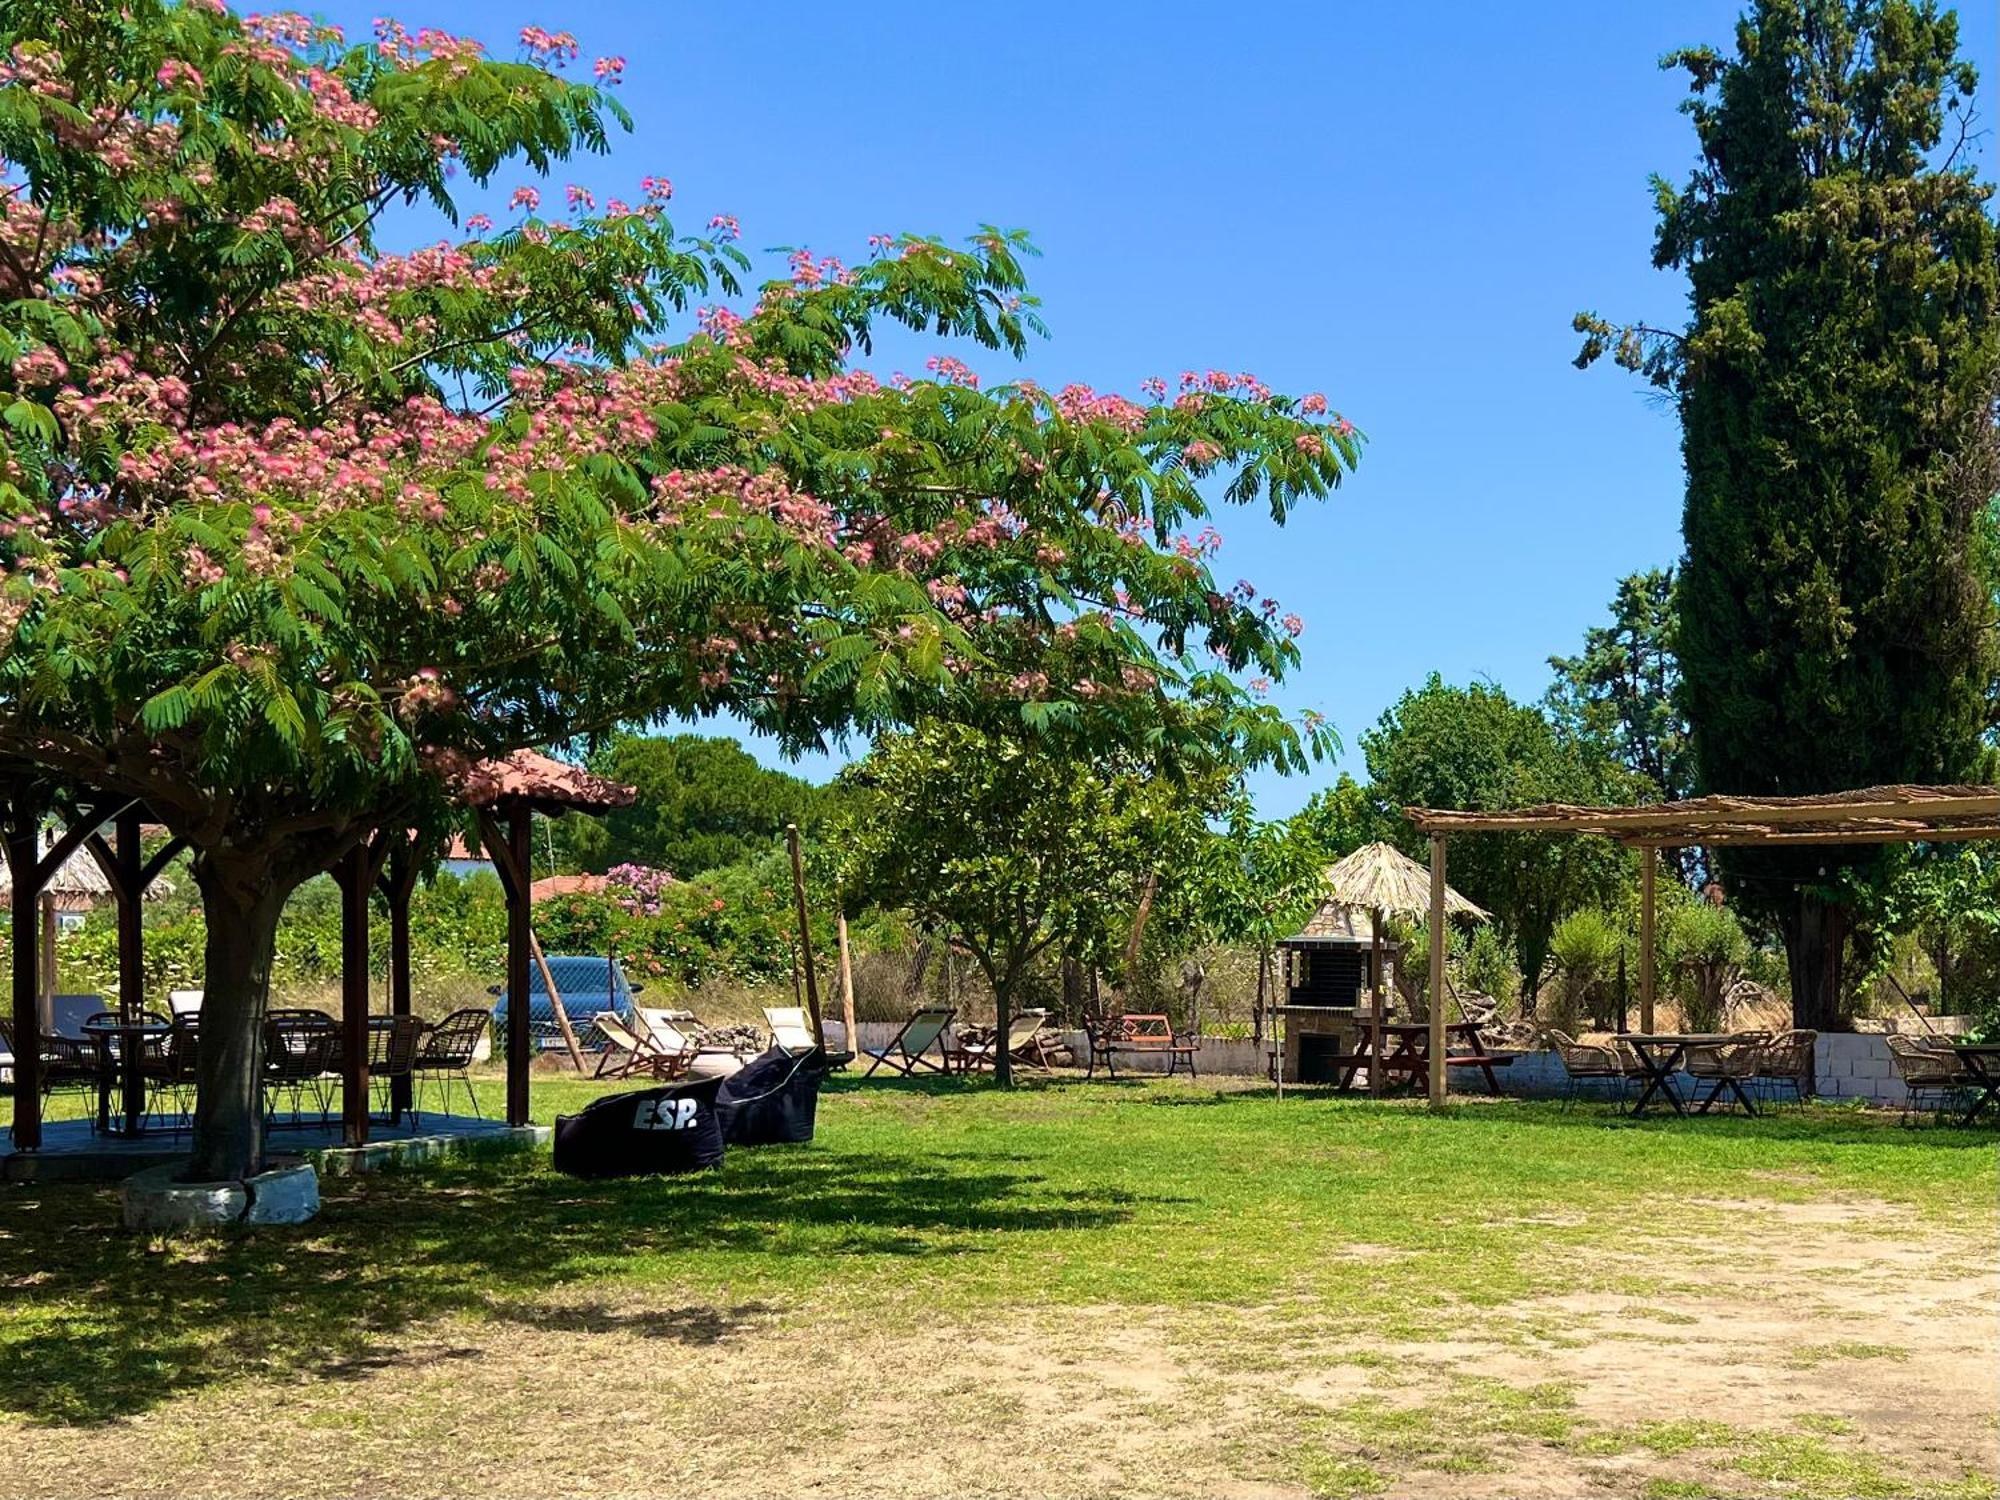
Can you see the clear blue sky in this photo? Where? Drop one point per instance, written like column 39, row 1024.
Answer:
column 1400, row 205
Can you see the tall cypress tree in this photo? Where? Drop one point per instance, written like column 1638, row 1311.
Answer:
column 1836, row 386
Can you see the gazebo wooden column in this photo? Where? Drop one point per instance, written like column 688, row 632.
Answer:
column 25, row 807
column 399, row 883
column 355, row 880
column 30, row 870
column 505, row 833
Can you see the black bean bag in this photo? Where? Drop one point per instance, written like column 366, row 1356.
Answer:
column 666, row 1130
column 772, row 1098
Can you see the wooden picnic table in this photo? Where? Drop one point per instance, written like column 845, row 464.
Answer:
column 1409, row 1052
column 1660, row 1056
column 1982, row 1062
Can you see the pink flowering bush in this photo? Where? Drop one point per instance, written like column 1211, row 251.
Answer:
column 295, row 523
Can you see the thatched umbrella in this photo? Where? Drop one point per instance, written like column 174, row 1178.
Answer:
column 1379, row 878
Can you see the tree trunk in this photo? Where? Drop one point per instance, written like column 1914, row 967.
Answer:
column 1003, row 1013
column 1257, row 1006
column 1816, row 933
column 242, row 899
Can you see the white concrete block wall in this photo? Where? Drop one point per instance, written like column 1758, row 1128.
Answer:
column 1846, row 1065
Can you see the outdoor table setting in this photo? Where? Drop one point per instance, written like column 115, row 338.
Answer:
column 122, row 1044
column 1981, row 1061
column 1409, row 1058
column 1660, row 1056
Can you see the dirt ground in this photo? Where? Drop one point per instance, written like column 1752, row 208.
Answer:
column 1835, row 1354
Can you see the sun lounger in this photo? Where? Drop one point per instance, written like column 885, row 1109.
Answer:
column 906, row 1049
column 791, row 1028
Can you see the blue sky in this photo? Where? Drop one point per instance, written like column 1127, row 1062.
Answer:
column 1400, row 205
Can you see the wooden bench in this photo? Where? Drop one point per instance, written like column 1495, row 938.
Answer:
column 1149, row 1034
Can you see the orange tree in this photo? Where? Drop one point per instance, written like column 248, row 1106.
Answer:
column 298, row 523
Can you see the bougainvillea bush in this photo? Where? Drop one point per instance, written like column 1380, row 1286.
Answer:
column 298, row 521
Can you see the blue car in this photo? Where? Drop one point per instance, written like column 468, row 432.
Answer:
column 588, row 983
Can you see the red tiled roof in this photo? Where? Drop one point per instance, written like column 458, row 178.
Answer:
column 543, row 783
column 567, row 885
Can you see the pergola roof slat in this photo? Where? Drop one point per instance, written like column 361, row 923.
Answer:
column 1878, row 814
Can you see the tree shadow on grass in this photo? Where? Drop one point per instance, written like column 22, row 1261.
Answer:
column 100, row 1324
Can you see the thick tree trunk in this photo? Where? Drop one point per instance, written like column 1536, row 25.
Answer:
column 1816, row 933
column 242, row 899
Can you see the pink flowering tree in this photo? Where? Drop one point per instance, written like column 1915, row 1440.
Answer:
column 294, row 523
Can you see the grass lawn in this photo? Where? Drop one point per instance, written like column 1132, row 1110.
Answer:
column 1079, row 1289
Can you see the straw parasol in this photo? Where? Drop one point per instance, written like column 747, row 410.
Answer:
column 1380, row 878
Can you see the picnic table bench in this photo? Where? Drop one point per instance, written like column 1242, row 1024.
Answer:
column 1147, row 1035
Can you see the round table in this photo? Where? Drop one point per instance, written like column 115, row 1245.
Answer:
column 132, row 1039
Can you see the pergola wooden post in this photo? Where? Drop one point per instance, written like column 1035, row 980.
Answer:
column 1437, row 933
column 398, row 882
column 506, row 837
column 1649, row 864
column 355, row 881
column 1378, row 1078
column 24, row 827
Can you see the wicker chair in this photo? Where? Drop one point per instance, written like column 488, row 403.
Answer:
column 1586, row 1061
column 447, row 1053
column 1933, row 1078
column 66, row 1064
column 1728, row 1064
column 299, row 1053
column 1786, row 1061
column 171, row 1073
column 393, row 1045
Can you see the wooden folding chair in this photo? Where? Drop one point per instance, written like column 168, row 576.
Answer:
column 627, row 1054
column 672, row 1049
column 923, row 1031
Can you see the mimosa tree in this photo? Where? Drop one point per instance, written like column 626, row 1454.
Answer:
column 299, row 523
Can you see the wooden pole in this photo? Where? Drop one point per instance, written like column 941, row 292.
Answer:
column 805, row 931
column 355, row 883
column 1649, row 863
column 1437, row 972
column 556, row 1005
column 1377, row 1082
column 846, row 987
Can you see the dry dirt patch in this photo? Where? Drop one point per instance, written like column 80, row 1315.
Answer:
column 1882, row 1344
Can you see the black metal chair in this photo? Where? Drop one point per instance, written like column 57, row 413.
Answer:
column 448, row 1051
column 66, row 1063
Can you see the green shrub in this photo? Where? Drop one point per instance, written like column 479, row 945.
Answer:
column 1703, row 949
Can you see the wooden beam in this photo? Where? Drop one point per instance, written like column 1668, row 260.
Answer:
column 1437, row 930
column 1913, row 834
column 1649, row 864
column 556, row 1007
column 1690, row 816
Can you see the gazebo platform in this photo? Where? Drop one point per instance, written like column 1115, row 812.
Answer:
column 72, row 1152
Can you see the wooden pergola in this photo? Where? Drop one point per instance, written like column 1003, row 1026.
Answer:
column 504, row 793
column 1868, row 815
